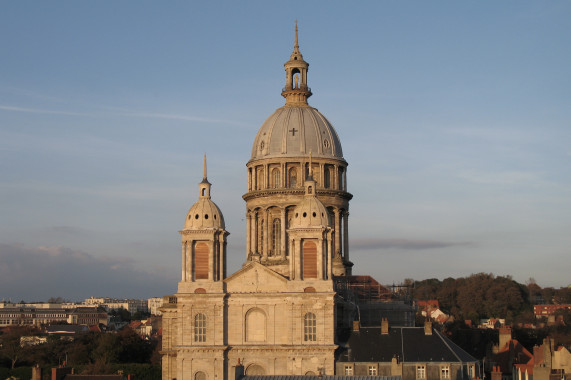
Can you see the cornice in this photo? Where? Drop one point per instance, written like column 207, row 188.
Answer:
column 297, row 191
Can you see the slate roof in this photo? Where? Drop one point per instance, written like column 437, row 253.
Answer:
column 293, row 377
column 410, row 344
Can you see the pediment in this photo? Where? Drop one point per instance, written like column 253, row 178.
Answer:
column 255, row 278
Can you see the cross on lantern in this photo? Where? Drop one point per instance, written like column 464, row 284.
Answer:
column 293, row 130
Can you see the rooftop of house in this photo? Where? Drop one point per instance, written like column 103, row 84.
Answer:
column 409, row 344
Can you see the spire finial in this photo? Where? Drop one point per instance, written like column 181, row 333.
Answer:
column 296, row 45
column 204, row 177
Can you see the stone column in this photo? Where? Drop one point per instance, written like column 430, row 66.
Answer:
column 183, row 261
column 337, row 231
column 345, row 179
column 266, row 177
column 335, row 178
column 254, row 178
column 266, row 233
column 322, row 174
column 283, row 233
column 211, row 260
column 346, row 235
column 221, row 255
column 248, row 233
column 255, row 232
column 320, row 259
column 291, row 260
column 330, row 255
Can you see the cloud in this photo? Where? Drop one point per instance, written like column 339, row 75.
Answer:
column 35, row 110
column 36, row 274
column 126, row 113
column 67, row 230
column 406, row 244
column 499, row 178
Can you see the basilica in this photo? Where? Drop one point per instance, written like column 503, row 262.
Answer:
column 280, row 313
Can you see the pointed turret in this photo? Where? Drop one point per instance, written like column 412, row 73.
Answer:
column 296, row 91
column 203, row 240
column 204, row 186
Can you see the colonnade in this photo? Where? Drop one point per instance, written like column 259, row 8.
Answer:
column 259, row 225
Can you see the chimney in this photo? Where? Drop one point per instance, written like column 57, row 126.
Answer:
column 356, row 326
column 37, row 372
column 505, row 336
column 384, row 326
column 239, row 371
column 496, row 373
column 427, row 328
column 396, row 366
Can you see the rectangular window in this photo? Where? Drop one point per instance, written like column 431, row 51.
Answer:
column 420, row 372
column 348, row 370
column 372, row 370
column 309, row 328
column 200, row 328
column 445, row 372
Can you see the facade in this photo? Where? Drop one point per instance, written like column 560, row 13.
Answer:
column 131, row 305
column 279, row 313
column 548, row 310
column 414, row 353
column 28, row 316
column 154, row 304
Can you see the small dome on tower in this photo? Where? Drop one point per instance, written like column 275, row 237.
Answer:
column 310, row 212
column 204, row 213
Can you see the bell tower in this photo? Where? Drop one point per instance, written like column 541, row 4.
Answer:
column 296, row 91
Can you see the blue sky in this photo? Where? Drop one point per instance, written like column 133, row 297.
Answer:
column 454, row 118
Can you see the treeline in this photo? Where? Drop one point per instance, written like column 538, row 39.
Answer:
column 91, row 353
column 484, row 295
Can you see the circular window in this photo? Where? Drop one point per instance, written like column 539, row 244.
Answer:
column 196, row 216
column 304, row 214
column 214, row 216
column 189, row 217
column 314, row 215
column 205, row 216
column 296, row 214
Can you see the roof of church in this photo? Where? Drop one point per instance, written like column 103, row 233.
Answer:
column 296, row 131
column 410, row 344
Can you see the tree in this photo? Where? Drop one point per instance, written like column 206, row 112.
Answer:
column 11, row 347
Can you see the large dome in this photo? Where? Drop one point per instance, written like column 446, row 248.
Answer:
column 296, row 131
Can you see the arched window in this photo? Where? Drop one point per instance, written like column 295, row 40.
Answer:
column 309, row 328
column 201, row 253
column 200, row 328
column 276, row 178
column 254, row 370
column 327, row 178
column 276, row 236
column 292, row 177
column 199, row 376
column 309, row 260
column 255, row 326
